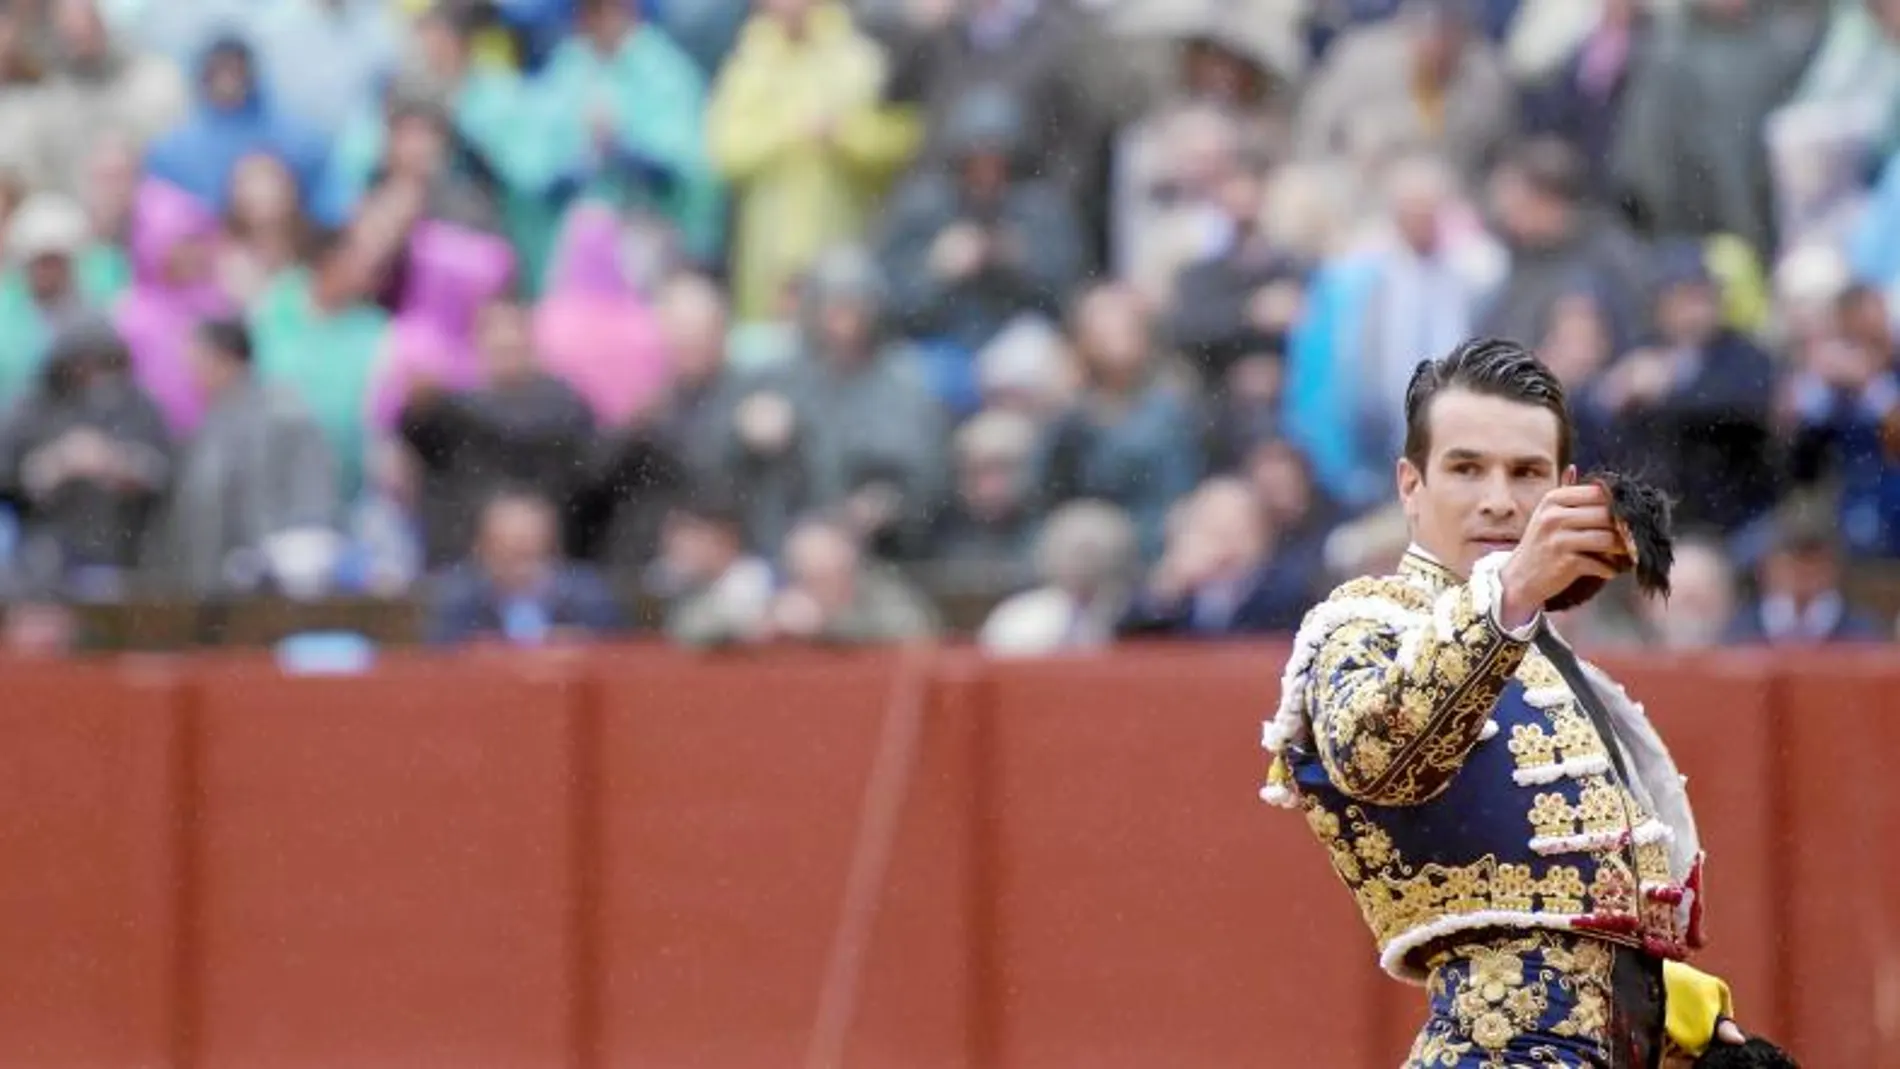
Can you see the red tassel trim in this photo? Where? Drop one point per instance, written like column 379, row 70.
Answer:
column 1611, row 923
column 1694, row 886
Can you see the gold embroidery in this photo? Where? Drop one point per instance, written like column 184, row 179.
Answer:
column 1374, row 847
column 1505, row 994
column 1562, row 890
column 1600, row 807
column 1396, row 904
column 1537, row 673
column 1532, row 746
column 1395, row 736
column 1552, row 817
column 1613, row 889
column 1588, row 964
column 1513, row 888
column 1652, row 862
column 1576, row 736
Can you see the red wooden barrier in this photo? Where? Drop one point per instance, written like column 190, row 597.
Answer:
column 1149, row 910
column 640, row 857
column 88, row 801
column 384, row 867
column 1840, row 734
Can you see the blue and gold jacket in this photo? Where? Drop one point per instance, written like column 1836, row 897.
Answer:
column 1458, row 785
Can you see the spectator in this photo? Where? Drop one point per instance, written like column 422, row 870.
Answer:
column 1841, row 118
column 1559, row 242
column 414, row 140
column 1230, row 100
column 1219, row 577
column 109, row 192
column 987, row 530
column 720, row 592
column 1088, row 563
column 797, row 123
column 1300, row 514
column 970, row 245
column 1422, row 81
column 255, row 502
column 317, row 334
column 100, row 88
column 1694, row 409
column 1311, row 206
column 1801, row 599
column 175, row 285
column 1243, row 297
column 21, row 106
column 324, row 59
column 1045, row 55
column 55, row 277
column 680, row 440
column 870, row 440
column 1026, row 368
column 1372, row 544
column 515, row 588
column 595, row 327
column 696, row 414
column 1700, row 610
column 265, row 230
column 1691, row 149
column 1130, row 438
column 626, row 106
column 1248, row 410
column 1167, row 211
column 500, row 145
column 1577, row 347
column 1847, row 422
column 1425, row 298
column 232, row 119
column 1582, row 102
column 86, row 460
column 520, row 426
column 442, row 276
column 833, row 595
column 707, row 30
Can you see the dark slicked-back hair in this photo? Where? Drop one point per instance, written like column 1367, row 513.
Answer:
column 1490, row 367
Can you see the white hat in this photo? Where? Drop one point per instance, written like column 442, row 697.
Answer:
column 45, row 224
column 1025, row 355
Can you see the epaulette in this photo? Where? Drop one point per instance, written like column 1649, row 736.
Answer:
column 1390, row 600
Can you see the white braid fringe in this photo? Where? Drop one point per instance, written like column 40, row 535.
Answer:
column 1649, row 831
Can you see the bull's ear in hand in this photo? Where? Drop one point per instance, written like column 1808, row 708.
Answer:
column 1643, row 517
column 1648, row 527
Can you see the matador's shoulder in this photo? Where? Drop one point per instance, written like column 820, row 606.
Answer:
column 1367, row 593
column 1387, row 604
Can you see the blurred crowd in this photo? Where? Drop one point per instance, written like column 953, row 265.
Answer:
column 796, row 313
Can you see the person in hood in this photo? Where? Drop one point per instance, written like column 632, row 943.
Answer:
column 232, row 120
column 624, row 108
column 971, row 245
column 798, row 125
column 175, row 240
column 86, row 458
